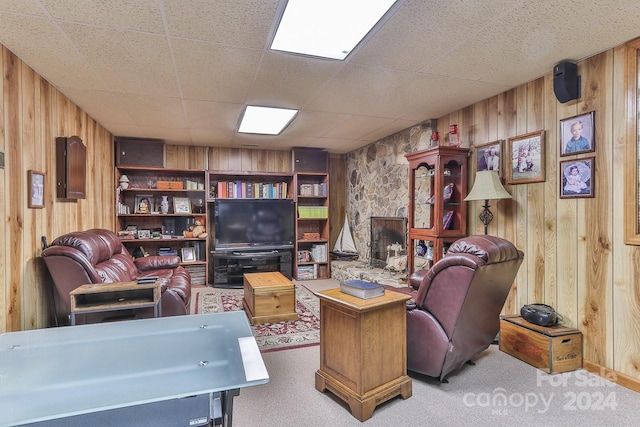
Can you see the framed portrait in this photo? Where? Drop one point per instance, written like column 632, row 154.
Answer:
column 489, row 157
column 144, row 204
column 525, row 158
column 36, row 189
column 144, row 234
column 577, row 134
column 181, row 205
column 577, row 178
column 188, row 254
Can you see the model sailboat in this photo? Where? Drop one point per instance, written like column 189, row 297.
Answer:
column 345, row 248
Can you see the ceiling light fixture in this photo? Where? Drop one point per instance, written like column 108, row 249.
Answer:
column 328, row 28
column 265, row 120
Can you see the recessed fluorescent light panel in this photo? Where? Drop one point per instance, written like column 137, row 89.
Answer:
column 327, row 28
column 265, row 120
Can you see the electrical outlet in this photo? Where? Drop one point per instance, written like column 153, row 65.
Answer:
column 1, row 159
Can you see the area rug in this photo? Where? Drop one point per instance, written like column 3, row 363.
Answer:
column 270, row 336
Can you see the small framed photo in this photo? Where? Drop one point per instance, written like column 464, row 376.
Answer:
column 577, row 134
column 181, row 205
column 144, row 204
column 489, row 157
column 447, row 220
column 188, row 254
column 36, row 189
column 577, row 178
column 525, row 158
column 144, row 234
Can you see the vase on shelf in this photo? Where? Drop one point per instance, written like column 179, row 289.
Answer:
column 164, row 205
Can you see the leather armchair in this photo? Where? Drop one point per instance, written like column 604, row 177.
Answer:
column 98, row 256
column 454, row 312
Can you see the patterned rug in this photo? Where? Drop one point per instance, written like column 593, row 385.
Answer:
column 270, row 336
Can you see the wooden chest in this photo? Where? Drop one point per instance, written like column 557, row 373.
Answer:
column 269, row 297
column 552, row 349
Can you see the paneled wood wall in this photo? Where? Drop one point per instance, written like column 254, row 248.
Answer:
column 575, row 256
column 32, row 114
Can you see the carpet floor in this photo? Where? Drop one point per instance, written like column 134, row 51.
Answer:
column 303, row 332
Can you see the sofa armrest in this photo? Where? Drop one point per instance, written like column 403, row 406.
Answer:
column 150, row 263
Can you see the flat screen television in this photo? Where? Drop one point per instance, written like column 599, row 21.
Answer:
column 254, row 223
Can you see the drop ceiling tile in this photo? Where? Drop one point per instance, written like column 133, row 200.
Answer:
column 140, row 15
column 128, row 61
column 171, row 135
column 211, row 137
column 209, row 71
column 45, row 48
column 237, row 23
column 357, row 127
column 153, row 110
column 292, row 79
column 309, row 123
column 212, row 115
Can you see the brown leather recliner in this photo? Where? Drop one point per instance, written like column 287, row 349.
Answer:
column 98, row 256
column 454, row 313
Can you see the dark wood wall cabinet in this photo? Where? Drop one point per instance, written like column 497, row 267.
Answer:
column 71, row 168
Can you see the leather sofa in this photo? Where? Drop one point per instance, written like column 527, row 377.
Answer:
column 454, row 312
column 98, row 256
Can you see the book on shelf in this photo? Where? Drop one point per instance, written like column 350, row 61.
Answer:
column 362, row 289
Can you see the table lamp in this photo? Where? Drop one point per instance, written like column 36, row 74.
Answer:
column 487, row 187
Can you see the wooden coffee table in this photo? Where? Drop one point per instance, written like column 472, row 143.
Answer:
column 269, row 297
column 115, row 296
column 363, row 349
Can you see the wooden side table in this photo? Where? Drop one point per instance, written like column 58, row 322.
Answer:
column 363, row 349
column 115, row 296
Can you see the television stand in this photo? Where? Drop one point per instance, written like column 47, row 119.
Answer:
column 229, row 266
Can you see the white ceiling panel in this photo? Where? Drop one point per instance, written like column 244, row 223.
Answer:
column 182, row 70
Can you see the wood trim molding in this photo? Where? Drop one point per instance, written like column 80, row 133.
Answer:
column 612, row 375
column 631, row 198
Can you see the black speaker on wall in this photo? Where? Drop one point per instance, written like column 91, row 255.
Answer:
column 566, row 81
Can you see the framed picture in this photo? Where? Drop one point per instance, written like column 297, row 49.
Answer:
column 525, row 162
column 181, row 205
column 163, row 204
column 36, row 189
column 144, row 234
column 489, row 157
column 577, row 134
column 144, row 204
column 447, row 220
column 577, row 178
column 188, row 254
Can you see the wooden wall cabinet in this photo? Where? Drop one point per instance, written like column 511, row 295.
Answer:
column 437, row 210
column 312, row 226
column 71, row 168
column 144, row 227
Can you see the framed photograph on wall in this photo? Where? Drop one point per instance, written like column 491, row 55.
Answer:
column 577, row 178
column 36, row 189
column 489, row 157
column 577, row 134
column 525, row 158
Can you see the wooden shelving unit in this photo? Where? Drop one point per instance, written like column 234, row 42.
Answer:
column 157, row 232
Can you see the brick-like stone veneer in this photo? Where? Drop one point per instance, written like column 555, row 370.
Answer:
column 377, row 180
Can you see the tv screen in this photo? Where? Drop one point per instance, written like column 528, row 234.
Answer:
column 254, row 223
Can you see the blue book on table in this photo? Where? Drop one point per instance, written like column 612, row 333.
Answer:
column 362, row 289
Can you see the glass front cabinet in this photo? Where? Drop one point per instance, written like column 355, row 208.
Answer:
column 437, row 210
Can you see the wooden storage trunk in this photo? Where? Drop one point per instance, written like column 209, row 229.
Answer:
column 269, row 297
column 170, row 185
column 552, row 349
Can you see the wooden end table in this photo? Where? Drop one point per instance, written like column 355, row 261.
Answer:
column 269, row 297
column 363, row 349
column 115, row 296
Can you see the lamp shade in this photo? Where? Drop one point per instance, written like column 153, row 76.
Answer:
column 487, row 186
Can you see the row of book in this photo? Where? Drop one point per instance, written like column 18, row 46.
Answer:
column 198, row 274
column 251, row 190
column 313, row 212
column 313, row 189
column 319, row 252
column 307, row 272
